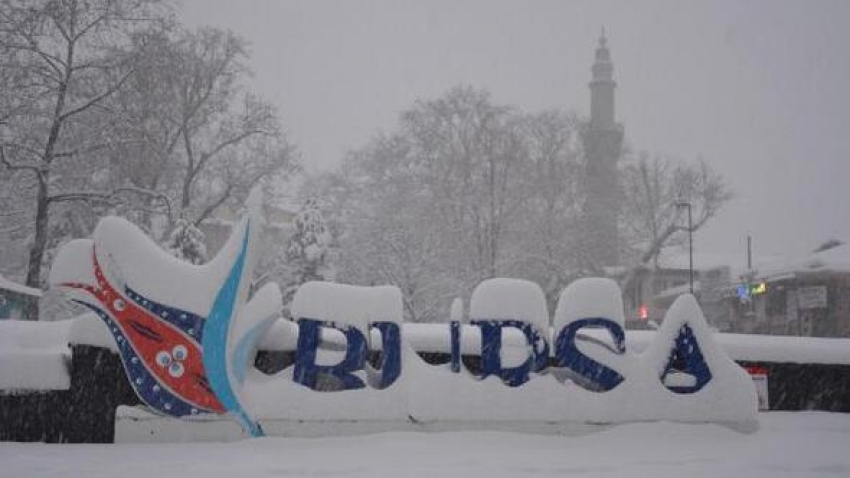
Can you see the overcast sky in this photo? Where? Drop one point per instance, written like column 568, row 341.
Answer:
column 760, row 89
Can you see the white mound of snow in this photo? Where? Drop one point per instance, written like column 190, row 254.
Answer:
column 347, row 304
column 592, row 297
column 659, row 450
column 34, row 355
column 510, row 299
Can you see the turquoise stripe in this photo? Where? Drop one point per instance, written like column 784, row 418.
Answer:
column 215, row 341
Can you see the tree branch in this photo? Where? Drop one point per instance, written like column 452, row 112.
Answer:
column 109, row 196
column 212, row 207
column 78, row 151
column 97, row 98
column 93, row 23
column 52, row 61
column 25, row 148
column 19, row 167
column 227, row 143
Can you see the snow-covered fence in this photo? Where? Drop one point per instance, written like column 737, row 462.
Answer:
column 804, row 373
column 54, row 390
column 62, row 381
column 34, row 380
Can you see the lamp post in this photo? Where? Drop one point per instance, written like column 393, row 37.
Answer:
column 686, row 204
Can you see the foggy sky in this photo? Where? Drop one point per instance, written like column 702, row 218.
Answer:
column 760, row 89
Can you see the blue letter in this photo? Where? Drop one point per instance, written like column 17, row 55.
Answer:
column 454, row 327
column 308, row 373
column 597, row 377
column 686, row 358
column 390, row 366
column 491, row 351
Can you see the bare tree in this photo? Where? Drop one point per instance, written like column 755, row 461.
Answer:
column 465, row 189
column 432, row 207
column 200, row 138
column 545, row 246
column 65, row 58
column 111, row 105
column 392, row 233
column 471, row 154
column 653, row 187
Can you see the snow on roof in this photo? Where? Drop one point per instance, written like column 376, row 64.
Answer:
column 6, row 284
column 737, row 263
column 768, row 267
column 835, row 259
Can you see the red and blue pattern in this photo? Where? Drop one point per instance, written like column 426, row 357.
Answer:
column 159, row 346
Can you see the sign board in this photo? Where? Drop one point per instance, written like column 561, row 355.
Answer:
column 813, row 297
column 187, row 334
column 759, row 376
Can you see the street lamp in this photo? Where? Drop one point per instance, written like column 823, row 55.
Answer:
column 682, row 204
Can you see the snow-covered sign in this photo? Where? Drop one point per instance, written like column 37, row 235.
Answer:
column 813, row 297
column 187, row 334
column 760, row 377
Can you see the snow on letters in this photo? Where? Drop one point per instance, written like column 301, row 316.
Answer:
column 187, row 334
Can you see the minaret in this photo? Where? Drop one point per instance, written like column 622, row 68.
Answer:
column 602, row 88
column 603, row 140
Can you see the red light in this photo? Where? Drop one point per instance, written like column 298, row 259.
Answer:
column 756, row 370
column 643, row 312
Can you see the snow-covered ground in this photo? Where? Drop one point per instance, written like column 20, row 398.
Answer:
column 787, row 444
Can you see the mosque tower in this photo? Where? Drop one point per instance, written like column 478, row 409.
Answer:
column 602, row 138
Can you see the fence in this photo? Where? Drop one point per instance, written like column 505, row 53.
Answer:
column 85, row 413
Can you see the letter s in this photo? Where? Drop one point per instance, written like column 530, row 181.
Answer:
column 591, row 374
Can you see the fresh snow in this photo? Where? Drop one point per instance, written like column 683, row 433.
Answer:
column 835, row 259
column 6, row 284
column 34, row 355
column 510, row 299
column 141, row 263
column 765, row 348
column 347, row 304
column 787, row 444
column 591, row 297
column 789, row 349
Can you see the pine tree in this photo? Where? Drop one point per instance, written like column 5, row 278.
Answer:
column 307, row 250
column 187, row 242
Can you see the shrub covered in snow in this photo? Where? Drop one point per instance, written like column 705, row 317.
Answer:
column 307, row 250
column 187, row 242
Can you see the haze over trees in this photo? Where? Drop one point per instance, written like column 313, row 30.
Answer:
column 465, row 189
column 111, row 107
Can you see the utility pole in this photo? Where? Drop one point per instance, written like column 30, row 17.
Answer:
column 687, row 204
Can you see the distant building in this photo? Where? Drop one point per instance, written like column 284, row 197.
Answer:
column 808, row 297
column 14, row 297
column 653, row 289
column 644, row 296
column 602, row 138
